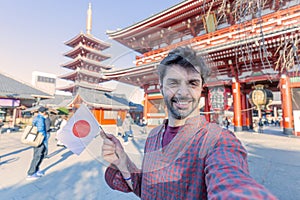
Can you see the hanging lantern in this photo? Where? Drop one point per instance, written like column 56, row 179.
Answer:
column 261, row 97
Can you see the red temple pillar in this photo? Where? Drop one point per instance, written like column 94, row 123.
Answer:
column 244, row 112
column 206, row 108
column 286, row 99
column 146, row 105
column 237, row 117
column 249, row 120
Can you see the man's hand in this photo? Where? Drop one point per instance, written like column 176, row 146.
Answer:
column 112, row 151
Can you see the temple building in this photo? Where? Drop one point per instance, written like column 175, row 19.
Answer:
column 86, row 68
column 15, row 97
column 245, row 43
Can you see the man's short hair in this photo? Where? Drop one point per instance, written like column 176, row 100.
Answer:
column 42, row 109
column 186, row 57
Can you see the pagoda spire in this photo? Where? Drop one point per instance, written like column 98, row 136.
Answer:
column 89, row 20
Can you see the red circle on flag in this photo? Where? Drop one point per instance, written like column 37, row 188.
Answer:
column 81, row 128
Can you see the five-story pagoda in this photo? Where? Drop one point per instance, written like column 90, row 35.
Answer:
column 86, row 75
column 86, row 55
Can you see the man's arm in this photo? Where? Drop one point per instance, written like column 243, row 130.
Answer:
column 122, row 174
column 226, row 172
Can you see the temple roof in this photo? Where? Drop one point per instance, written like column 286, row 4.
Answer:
column 71, row 87
column 12, row 88
column 232, row 50
column 78, row 62
column 101, row 99
column 88, row 39
column 145, row 25
column 165, row 26
column 137, row 76
column 91, row 97
column 84, row 50
column 252, row 43
column 185, row 21
column 57, row 101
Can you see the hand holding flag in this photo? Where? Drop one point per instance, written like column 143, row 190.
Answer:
column 113, row 151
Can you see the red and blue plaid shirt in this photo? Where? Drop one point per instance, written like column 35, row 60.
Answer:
column 203, row 161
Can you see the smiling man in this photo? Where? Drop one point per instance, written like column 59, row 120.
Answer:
column 186, row 157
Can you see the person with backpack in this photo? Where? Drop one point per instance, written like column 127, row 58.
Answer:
column 34, row 171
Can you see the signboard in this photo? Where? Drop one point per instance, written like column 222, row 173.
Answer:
column 9, row 102
column 296, row 114
column 218, row 98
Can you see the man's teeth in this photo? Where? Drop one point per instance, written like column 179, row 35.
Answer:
column 182, row 102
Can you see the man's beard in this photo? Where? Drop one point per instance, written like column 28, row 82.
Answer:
column 177, row 113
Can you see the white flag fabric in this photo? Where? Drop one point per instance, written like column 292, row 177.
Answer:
column 80, row 130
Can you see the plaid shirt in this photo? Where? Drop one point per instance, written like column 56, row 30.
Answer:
column 203, row 161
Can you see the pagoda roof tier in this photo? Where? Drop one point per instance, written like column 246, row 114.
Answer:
column 79, row 61
column 74, row 74
column 88, row 40
column 71, row 87
column 84, row 50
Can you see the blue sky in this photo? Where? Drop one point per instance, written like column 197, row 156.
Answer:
column 33, row 32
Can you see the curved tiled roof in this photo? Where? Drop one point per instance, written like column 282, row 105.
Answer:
column 11, row 88
column 103, row 99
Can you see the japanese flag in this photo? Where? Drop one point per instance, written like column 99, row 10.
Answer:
column 80, row 130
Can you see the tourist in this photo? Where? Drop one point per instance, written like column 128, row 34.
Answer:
column 119, row 129
column 186, row 157
column 64, row 120
column 226, row 123
column 127, row 128
column 144, row 126
column 260, row 126
column 39, row 151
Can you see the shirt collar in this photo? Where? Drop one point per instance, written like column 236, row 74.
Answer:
column 192, row 120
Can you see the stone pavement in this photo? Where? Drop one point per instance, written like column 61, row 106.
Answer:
column 274, row 161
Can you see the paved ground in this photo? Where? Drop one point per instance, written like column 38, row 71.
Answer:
column 274, row 161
